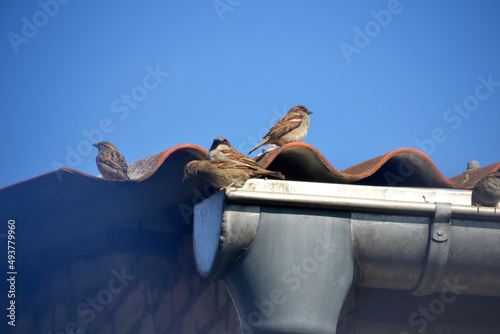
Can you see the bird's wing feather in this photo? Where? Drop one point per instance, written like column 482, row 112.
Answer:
column 236, row 156
column 254, row 171
column 285, row 125
column 226, row 164
column 115, row 160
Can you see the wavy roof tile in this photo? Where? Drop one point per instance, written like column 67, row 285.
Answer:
column 79, row 206
column 297, row 161
column 404, row 167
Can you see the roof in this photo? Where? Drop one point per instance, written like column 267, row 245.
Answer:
column 66, row 215
column 68, row 207
column 158, row 177
column 157, row 186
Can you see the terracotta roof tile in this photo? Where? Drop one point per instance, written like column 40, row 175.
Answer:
column 80, row 206
column 406, row 167
column 298, row 161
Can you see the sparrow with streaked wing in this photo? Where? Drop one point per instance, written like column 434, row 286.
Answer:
column 290, row 128
column 221, row 149
column 223, row 173
column 110, row 162
column 487, row 191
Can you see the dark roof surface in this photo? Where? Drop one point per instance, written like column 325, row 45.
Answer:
column 68, row 206
column 298, row 161
column 404, row 167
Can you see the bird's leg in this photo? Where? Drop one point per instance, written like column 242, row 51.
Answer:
column 478, row 205
column 425, row 200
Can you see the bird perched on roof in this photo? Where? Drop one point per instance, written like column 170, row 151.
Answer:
column 290, row 128
column 223, row 173
column 487, row 191
column 110, row 162
column 221, row 149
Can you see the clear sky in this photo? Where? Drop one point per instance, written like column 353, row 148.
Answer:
column 149, row 75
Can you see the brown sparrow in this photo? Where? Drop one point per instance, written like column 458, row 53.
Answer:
column 487, row 191
column 223, row 173
column 110, row 162
column 290, row 128
column 221, row 149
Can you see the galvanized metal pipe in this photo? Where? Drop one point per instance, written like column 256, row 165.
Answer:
column 391, row 240
column 358, row 204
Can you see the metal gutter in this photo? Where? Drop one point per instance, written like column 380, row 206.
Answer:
column 290, row 251
column 358, row 204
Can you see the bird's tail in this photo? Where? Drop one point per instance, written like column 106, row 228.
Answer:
column 262, row 143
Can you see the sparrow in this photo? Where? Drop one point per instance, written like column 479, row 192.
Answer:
column 290, row 128
column 110, row 162
column 223, row 173
column 221, row 149
column 487, row 191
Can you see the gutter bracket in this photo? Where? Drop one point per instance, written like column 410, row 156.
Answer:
column 439, row 248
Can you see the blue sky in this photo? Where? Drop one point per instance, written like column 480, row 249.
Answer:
column 378, row 75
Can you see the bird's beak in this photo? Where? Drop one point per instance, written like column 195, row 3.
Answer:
column 184, row 178
column 95, row 145
column 309, row 112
